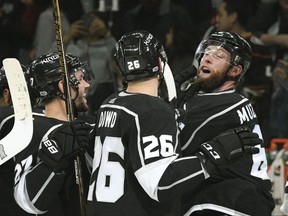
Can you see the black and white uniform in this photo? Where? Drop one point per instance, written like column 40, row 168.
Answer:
column 242, row 188
column 39, row 190
column 9, row 206
column 136, row 168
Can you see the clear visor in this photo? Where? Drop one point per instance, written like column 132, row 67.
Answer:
column 213, row 50
column 87, row 72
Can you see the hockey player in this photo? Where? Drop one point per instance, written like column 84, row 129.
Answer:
column 44, row 174
column 137, row 168
column 242, row 188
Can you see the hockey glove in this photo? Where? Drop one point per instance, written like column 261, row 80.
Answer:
column 185, row 85
column 228, row 147
column 64, row 142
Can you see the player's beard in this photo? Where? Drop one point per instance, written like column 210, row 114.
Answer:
column 81, row 103
column 214, row 81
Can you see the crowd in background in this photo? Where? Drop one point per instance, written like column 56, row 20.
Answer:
column 92, row 27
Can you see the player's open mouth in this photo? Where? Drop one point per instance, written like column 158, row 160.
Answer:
column 205, row 70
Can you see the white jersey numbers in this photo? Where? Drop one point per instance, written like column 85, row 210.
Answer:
column 165, row 146
column 110, row 179
column 108, row 185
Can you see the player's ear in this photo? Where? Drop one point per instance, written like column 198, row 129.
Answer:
column 7, row 97
column 60, row 86
column 235, row 71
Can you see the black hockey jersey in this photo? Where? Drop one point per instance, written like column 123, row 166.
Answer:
column 208, row 115
column 8, row 205
column 39, row 190
column 136, row 167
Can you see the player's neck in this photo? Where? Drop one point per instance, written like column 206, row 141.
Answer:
column 56, row 109
column 149, row 87
column 228, row 85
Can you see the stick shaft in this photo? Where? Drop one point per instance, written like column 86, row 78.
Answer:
column 67, row 93
column 62, row 59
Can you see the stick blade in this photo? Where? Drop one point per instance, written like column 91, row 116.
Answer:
column 21, row 134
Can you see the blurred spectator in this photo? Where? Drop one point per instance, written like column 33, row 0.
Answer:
column 88, row 5
column 270, row 24
column 72, row 27
column 233, row 16
column 116, row 17
column 156, row 17
column 27, row 26
column 195, row 9
column 96, row 48
column 202, row 13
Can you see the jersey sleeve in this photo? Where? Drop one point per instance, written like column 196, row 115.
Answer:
column 36, row 185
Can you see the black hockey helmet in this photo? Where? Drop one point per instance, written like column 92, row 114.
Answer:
column 3, row 78
column 239, row 49
column 137, row 55
column 46, row 72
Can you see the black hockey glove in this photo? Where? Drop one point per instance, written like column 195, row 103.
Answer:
column 64, row 142
column 185, row 85
column 228, row 147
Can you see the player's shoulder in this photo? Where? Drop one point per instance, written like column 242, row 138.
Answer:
column 142, row 103
column 43, row 123
column 224, row 98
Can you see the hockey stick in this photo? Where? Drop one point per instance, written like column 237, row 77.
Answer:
column 23, row 123
column 69, row 107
